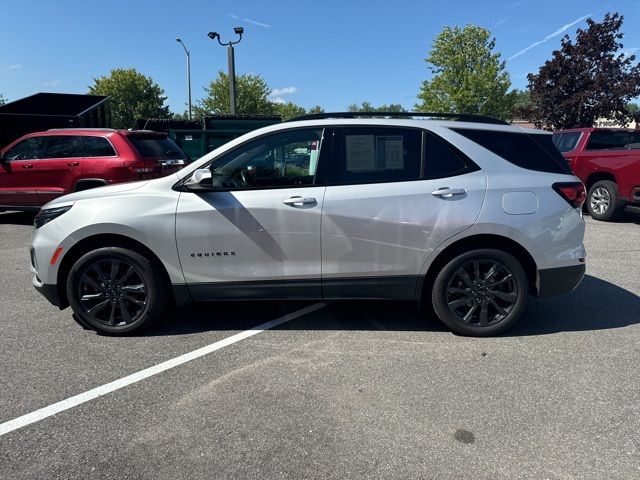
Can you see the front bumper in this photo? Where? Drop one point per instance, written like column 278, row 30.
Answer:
column 50, row 292
column 553, row 281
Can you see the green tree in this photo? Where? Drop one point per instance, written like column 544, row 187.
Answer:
column 251, row 96
column 467, row 75
column 368, row 107
column 288, row 110
column 2, row 100
column 133, row 95
column 521, row 104
column 585, row 80
column 316, row 109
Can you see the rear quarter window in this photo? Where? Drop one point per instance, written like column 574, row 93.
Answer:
column 531, row 151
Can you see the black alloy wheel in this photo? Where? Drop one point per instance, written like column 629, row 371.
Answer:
column 116, row 291
column 112, row 292
column 480, row 292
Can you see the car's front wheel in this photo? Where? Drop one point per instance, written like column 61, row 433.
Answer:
column 116, row 291
column 480, row 293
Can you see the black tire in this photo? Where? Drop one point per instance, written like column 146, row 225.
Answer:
column 603, row 201
column 455, row 295
column 116, row 291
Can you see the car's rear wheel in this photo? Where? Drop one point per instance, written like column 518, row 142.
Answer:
column 116, row 291
column 603, row 201
column 480, row 293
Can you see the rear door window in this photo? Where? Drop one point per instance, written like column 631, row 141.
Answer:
column 156, row 147
column 378, row 154
column 566, row 142
column 64, row 146
column 97, row 147
column 613, row 140
column 531, row 151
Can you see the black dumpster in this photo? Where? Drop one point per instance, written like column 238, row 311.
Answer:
column 43, row 111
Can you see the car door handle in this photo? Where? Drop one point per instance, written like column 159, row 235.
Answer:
column 28, row 165
column 299, row 201
column 73, row 164
column 446, row 192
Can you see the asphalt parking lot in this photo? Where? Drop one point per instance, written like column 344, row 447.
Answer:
column 352, row 389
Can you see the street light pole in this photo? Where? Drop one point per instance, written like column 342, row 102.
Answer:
column 232, row 64
column 188, row 71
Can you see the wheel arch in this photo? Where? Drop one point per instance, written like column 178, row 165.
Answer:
column 87, row 183
column 473, row 242
column 598, row 176
column 98, row 241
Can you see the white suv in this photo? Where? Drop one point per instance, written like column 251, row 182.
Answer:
column 466, row 216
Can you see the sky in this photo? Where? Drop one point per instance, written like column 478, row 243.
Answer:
column 323, row 52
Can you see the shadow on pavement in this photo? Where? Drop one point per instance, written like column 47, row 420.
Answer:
column 594, row 305
column 17, row 218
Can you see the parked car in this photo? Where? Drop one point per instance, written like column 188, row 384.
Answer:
column 42, row 166
column 465, row 217
column 607, row 161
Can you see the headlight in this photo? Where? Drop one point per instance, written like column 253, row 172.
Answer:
column 45, row 216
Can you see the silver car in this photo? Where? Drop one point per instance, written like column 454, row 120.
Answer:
column 463, row 215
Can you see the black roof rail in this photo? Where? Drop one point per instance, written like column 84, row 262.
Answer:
column 462, row 117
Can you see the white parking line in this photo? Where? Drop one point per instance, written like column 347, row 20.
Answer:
column 76, row 400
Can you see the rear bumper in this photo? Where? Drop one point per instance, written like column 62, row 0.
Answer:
column 553, row 281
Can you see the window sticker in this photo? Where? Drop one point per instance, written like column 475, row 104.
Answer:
column 361, row 152
column 390, row 151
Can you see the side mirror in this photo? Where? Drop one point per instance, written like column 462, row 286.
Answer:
column 200, row 180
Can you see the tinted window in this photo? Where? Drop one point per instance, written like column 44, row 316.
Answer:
column 378, row 154
column 443, row 160
column 156, row 147
column 566, row 142
column 530, row 151
column 67, row 146
column 27, row 149
column 97, row 147
column 613, row 140
column 280, row 160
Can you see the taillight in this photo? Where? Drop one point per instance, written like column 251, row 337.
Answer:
column 573, row 192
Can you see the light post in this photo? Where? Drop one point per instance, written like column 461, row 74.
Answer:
column 232, row 64
column 188, row 71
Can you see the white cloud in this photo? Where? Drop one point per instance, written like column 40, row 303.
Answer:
column 515, row 5
column 248, row 20
column 277, row 100
column 52, row 83
column 277, row 92
column 16, row 66
column 260, row 24
column 559, row 31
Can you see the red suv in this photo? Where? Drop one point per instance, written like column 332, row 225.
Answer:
column 607, row 160
column 41, row 166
